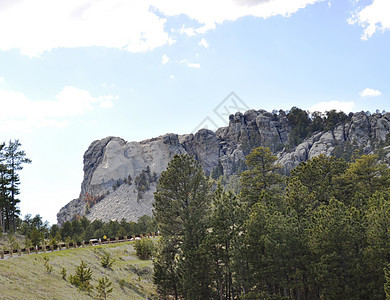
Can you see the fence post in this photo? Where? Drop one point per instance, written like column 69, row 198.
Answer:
column 125, row 238
column 36, row 249
column 67, row 245
column 117, row 239
column 52, row 248
column 11, row 252
column 19, row 252
column 28, row 251
column 2, row 254
column 83, row 244
column 100, row 241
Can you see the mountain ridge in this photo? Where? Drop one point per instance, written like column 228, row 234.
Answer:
column 120, row 177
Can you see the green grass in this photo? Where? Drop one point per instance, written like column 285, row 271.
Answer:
column 26, row 277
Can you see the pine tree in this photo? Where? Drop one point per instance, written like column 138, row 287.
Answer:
column 14, row 159
column 221, row 243
column 82, row 277
column 181, row 206
column 4, row 191
column 104, row 288
column 261, row 176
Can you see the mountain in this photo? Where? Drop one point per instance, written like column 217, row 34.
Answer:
column 120, row 177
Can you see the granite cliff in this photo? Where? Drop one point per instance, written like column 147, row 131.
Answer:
column 120, row 177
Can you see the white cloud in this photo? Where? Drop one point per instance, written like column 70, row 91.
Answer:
column 193, row 65
column 21, row 113
column 203, row 43
column 164, row 59
column 172, row 76
column 250, row 2
column 2, row 79
column 43, row 25
column 190, row 31
column 106, row 85
column 337, row 105
column 37, row 26
column 189, row 64
column 372, row 18
column 209, row 13
column 369, row 92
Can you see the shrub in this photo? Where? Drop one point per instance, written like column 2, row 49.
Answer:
column 82, row 277
column 49, row 268
column 106, row 260
column 144, row 248
column 104, row 288
column 63, row 273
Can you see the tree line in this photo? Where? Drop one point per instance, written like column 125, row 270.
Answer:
column 12, row 159
column 320, row 233
column 37, row 232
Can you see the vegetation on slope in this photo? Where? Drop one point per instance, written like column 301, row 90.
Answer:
column 40, row 276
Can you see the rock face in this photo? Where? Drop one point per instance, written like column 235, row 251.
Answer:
column 120, row 177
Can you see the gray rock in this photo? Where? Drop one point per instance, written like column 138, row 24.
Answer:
column 109, row 162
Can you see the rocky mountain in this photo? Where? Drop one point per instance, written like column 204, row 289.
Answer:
column 120, row 177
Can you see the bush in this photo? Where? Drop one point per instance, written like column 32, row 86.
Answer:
column 82, row 277
column 106, row 260
column 144, row 248
column 48, row 267
column 104, row 288
column 63, row 273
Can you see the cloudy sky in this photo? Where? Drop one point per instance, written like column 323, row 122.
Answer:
column 79, row 70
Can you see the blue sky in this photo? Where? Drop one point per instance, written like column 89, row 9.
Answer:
column 75, row 71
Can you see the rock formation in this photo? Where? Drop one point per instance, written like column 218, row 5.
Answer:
column 120, row 177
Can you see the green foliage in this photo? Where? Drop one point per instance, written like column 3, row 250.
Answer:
column 143, row 181
column 12, row 159
column 217, row 171
column 386, row 270
column 82, row 229
column 317, row 176
column 106, row 260
column 261, row 176
column 305, row 125
column 144, row 248
column 181, row 206
column 63, row 273
column 48, row 267
column 104, row 288
column 323, row 236
column 300, row 121
column 82, row 278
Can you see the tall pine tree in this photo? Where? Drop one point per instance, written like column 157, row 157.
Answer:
column 12, row 159
column 181, row 207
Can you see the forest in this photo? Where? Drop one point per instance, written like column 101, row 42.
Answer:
column 320, row 233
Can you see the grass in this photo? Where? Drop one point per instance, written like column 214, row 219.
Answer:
column 27, row 277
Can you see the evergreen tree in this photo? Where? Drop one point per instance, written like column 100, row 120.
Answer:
column 14, row 160
column 222, row 242
column 181, row 205
column 104, row 288
column 261, row 176
column 82, row 278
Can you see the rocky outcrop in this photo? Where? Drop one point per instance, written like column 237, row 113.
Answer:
column 120, row 177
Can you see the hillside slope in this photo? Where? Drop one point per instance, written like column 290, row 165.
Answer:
column 26, row 277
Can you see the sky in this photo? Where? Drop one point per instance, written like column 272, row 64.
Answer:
column 75, row 71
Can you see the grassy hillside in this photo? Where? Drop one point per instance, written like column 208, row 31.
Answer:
column 27, row 277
